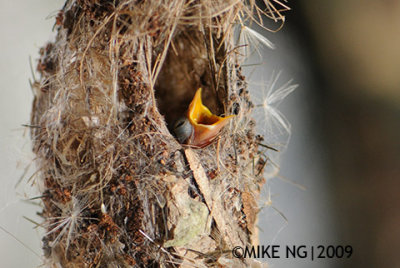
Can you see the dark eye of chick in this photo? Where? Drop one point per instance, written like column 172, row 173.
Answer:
column 182, row 129
column 179, row 123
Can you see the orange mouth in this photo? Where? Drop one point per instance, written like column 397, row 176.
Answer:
column 206, row 125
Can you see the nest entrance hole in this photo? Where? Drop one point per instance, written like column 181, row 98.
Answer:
column 187, row 67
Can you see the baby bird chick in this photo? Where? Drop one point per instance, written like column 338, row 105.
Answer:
column 199, row 127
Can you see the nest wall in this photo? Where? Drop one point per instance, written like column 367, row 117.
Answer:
column 118, row 190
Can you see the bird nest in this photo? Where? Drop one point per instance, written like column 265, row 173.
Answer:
column 118, row 189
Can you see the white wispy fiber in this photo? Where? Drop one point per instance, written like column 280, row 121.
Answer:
column 272, row 100
column 273, row 125
column 252, row 40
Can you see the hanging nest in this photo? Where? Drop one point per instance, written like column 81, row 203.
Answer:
column 118, row 189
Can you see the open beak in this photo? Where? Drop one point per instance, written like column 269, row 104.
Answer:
column 206, row 126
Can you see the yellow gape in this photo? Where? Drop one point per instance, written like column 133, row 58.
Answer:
column 200, row 127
